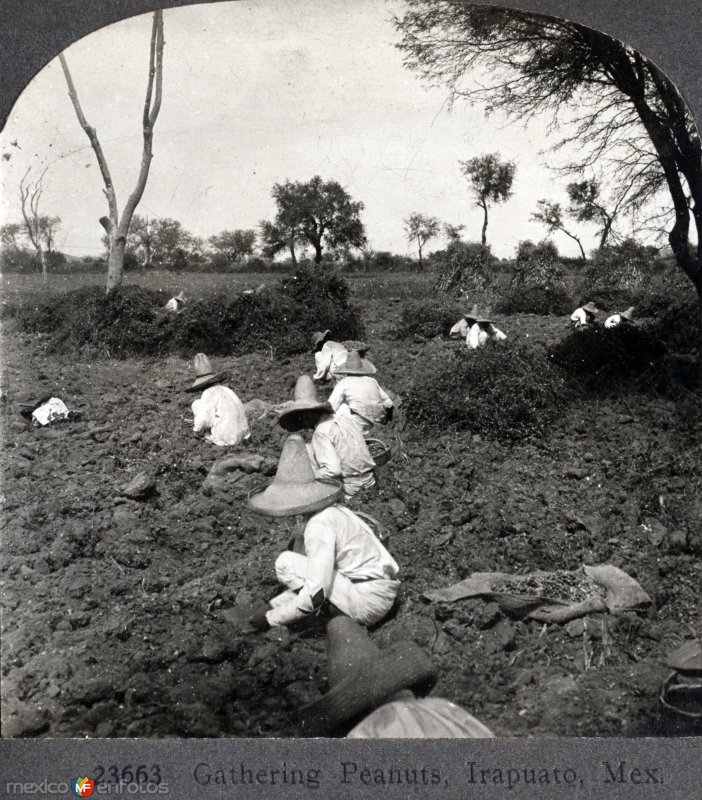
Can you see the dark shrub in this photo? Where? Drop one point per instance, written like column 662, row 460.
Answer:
column 505, row 392
column 537, row 265
column 541, row 300
column 621, row 266
column 465, row 267
column 131, row 320
column 429, row 319
column 606, row 361
column 678, row 326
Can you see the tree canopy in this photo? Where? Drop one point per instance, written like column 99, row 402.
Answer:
column 618, row 105
column 316, row 212
column 491, row 181
column 421, row 228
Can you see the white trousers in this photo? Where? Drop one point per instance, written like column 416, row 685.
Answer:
column 365, row 602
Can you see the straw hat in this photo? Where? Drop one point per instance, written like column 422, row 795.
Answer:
column 627, row 314
column 319, row 337
column 180, row 297
column 294, row 489
column 473, row 314
column 205, row 374
column 425, row 718
column 591, row 307
column 306, row 409
column 363, row 677
column 355, row 365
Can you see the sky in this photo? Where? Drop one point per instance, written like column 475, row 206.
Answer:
column 256, row 93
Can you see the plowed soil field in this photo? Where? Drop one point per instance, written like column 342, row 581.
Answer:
column 112, row 606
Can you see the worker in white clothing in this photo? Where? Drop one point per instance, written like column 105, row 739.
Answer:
column 360, row 395
column 327, row 356
column 482, row 332
column 176, row 303
column 623, row 317
column 344, row 567
column 584, row 315
column 219, row 413
column 338, row 449
column 465, row 323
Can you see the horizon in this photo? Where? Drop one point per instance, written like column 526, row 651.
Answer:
column 258, row 93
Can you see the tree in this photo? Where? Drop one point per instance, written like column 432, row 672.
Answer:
column 276, row 237
column 9, row 235
column 491, row 181
column 453, row 232
column 621, row 108
column 116, row 226
column 232, row 246
column 34, row 222
column 551, row 215
column 48, row 228
column 421, row 229
column 320, row 213
column 587, row 205
column 140, row 239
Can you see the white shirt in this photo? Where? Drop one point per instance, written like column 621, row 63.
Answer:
column 340, row 451
column 460, row 329
column 580, row 317
column 221, row 412
column 614, row 321
column 335, row 540
column 363, row 395
column 477, row 336
column 173, row 304
column 331, row 355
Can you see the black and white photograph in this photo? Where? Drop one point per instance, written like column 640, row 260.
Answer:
column 351, row 358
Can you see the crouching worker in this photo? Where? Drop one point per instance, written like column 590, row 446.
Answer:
column 461, row 329
column 622, row 318
column 360, row 395
column 584, row 315
column 344, row 567
column 380, row 694
column 219, row 414
column 482, row 332
column 327, row 356
column 338, row 450
column 176, row 303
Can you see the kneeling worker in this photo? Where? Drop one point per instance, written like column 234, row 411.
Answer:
column 327, row 355
column 219, row 414
column 461, row 329
column 482, row 332
column 359, row 394
column 344, row 563
column 338, row 449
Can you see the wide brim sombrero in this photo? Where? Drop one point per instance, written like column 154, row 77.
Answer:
column 355, row 365
column 370, row 678
column 294, row 489
column 302, row 415
column 472, row 314
column 290, row 499
column 591, row 307
column 203, row 381
column 627, row 315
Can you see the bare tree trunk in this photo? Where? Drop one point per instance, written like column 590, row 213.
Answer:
column 31, row 195
column 485, row 223
column 119, row 226
column 421, row 265
column 292, row 254
column 317, row 252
